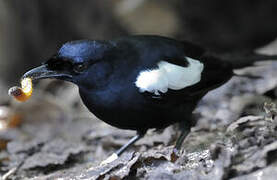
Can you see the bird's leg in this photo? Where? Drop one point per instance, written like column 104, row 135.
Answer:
column 115, row 155
column 180, row 140
column 129, row 143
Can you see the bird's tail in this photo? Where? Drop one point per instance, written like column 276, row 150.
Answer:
column 242, row 60
column 237, row 59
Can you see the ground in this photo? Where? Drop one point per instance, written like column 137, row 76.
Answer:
column 54, row 136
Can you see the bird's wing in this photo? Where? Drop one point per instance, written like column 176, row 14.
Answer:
column 183, row 77
column 170, row 74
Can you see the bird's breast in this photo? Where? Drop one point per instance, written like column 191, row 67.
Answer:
column 128, row 109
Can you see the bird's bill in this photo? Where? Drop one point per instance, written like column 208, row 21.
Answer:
column 42, row 72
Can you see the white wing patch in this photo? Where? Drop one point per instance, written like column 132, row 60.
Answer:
column 169, row 76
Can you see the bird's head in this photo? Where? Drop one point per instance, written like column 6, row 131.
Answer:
column 81, row 62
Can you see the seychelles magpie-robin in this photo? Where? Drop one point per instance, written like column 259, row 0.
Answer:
column 137, row 82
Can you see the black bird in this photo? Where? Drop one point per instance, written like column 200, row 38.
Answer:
column 137, row 82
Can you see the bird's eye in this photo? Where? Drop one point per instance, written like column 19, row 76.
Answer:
column 78, row 68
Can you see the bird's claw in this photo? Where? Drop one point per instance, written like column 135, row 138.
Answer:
column 175, row 155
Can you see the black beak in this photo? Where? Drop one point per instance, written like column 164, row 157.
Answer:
column 42, row 72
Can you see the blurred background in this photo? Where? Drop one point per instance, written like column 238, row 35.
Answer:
column 31, row 31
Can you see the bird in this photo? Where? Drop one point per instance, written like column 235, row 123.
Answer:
column 138, row 82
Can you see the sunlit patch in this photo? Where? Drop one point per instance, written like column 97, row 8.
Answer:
column 24, row 93
column 8, row 119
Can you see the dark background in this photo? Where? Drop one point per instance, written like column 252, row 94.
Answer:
column 31, row 31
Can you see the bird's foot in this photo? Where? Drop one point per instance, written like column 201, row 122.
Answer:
column 110, row 159
column 175, row 155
